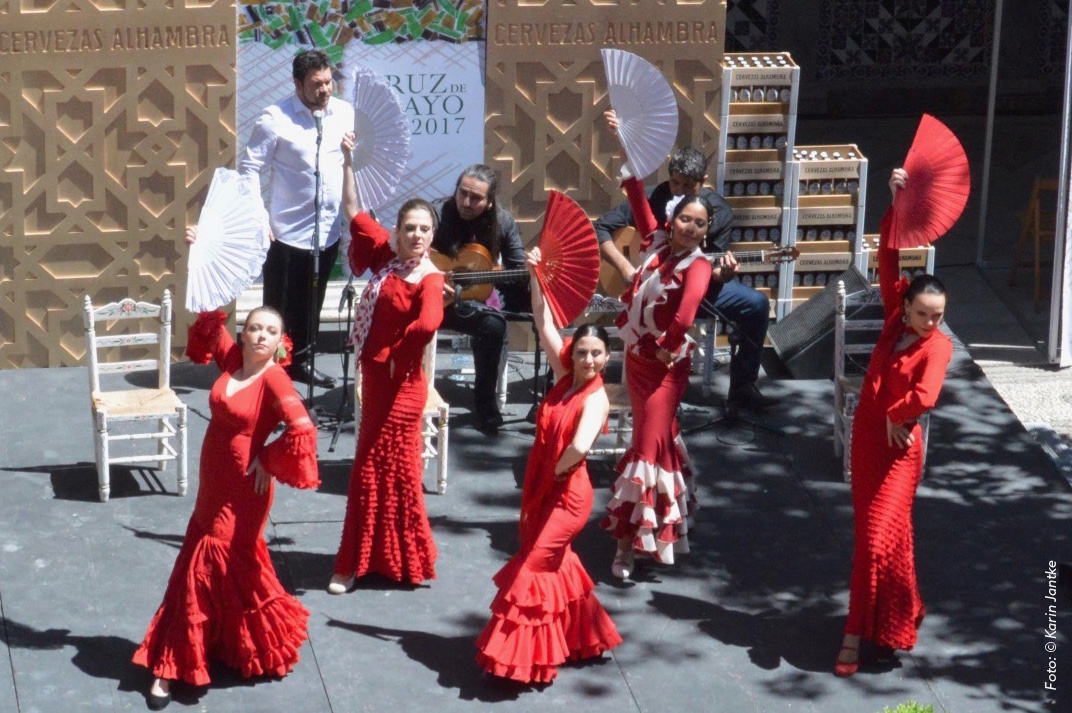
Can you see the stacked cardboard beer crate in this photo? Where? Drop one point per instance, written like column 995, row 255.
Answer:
column 759, row 116
column 826, row 218
column 913, row 261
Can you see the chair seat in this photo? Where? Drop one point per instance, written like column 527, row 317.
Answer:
column 136, row 403
column 851, row 384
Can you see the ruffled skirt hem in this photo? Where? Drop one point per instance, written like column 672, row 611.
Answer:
column 650, row 506
column 386, row 530
column 898, row 638
column 276, row 659
column 223, row 608
column 543, row 619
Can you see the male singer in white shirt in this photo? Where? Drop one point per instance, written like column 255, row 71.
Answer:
column 283, row 149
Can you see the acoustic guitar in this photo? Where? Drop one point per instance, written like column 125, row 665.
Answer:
column 627, row 240
column 473, row 273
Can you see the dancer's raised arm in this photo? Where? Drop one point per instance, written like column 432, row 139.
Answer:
column 550, row 339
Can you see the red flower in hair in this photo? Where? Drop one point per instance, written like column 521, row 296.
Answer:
column 287, row 347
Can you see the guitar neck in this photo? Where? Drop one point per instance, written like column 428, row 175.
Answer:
column 489, row 277
column 742, row 257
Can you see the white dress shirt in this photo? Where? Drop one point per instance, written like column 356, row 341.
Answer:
column 282, row 149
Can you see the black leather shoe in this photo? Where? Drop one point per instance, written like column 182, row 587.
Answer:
column 749, row 397
column 302, row 372
column 159, row 703
column 488, row 426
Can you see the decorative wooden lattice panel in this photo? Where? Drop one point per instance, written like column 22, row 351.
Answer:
column 113, row 115
column 546, row 91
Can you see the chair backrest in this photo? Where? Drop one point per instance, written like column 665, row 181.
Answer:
column 428, row 360
column 128, row 308
column 1042, row 210
column 858, row 320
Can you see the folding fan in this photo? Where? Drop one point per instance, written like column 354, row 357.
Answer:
column 569, row 259
column 232, row 241
column 646, row 109
column 937, row 189
column 382, row 131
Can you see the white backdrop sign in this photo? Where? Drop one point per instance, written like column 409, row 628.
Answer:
column 440, row 85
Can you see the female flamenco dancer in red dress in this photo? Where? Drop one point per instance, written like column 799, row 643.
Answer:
column 546, row 611
column 903, row 381
column 386, row 530
column 647, row 513
column 223, row 600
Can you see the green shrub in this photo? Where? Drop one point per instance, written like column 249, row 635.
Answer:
column 910, row 707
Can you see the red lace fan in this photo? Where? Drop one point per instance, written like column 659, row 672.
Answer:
column 937, row 189
column 569, row 259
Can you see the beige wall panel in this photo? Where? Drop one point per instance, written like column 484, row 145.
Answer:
column 113, row 116
column 546, row 90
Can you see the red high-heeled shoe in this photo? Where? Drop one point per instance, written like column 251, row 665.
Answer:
column 844, row 669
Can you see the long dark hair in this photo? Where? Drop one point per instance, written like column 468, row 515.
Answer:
column 590, row 330
column 924, row 285
column 486, row 226
column 688, row 200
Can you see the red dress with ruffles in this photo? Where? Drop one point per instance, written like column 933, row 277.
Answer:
column 653, row 494
column 546, row 611
column 884, row 602
column 223, row 600
column 386, row 530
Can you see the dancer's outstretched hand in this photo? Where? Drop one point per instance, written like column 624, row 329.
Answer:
column 898, row 179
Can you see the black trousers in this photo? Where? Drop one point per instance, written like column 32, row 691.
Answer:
column 487, row 328
column 288, row 286
column 750, row 309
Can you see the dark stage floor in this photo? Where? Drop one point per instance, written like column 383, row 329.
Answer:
column 749, row 621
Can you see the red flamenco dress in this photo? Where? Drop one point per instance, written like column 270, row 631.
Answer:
column 223, row 600
column 884, row 602
column 546, row 611
column 652, row 495
column 386, row 530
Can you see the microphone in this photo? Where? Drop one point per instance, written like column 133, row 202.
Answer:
column 318, row 117
column 347, row 295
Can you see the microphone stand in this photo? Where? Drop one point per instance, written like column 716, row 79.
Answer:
column 345, row 412
column 731, row 415
column 314, row 287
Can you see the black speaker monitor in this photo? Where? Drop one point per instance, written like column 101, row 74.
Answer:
column 804, row 338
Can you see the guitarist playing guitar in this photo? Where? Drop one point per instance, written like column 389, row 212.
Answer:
column 749, row 309
column 468, row 220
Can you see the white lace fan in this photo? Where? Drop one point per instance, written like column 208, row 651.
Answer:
column 382, row 131
column 646, row 108
column 232, row 241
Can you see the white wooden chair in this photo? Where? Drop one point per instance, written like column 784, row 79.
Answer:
column 134, row 405
column 620, row 418
column 504, row 368
column 707, row 331
column 435, row 421
column 858, row 322
column 621, row 414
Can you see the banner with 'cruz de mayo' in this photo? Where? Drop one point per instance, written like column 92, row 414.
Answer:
column 430, row 52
